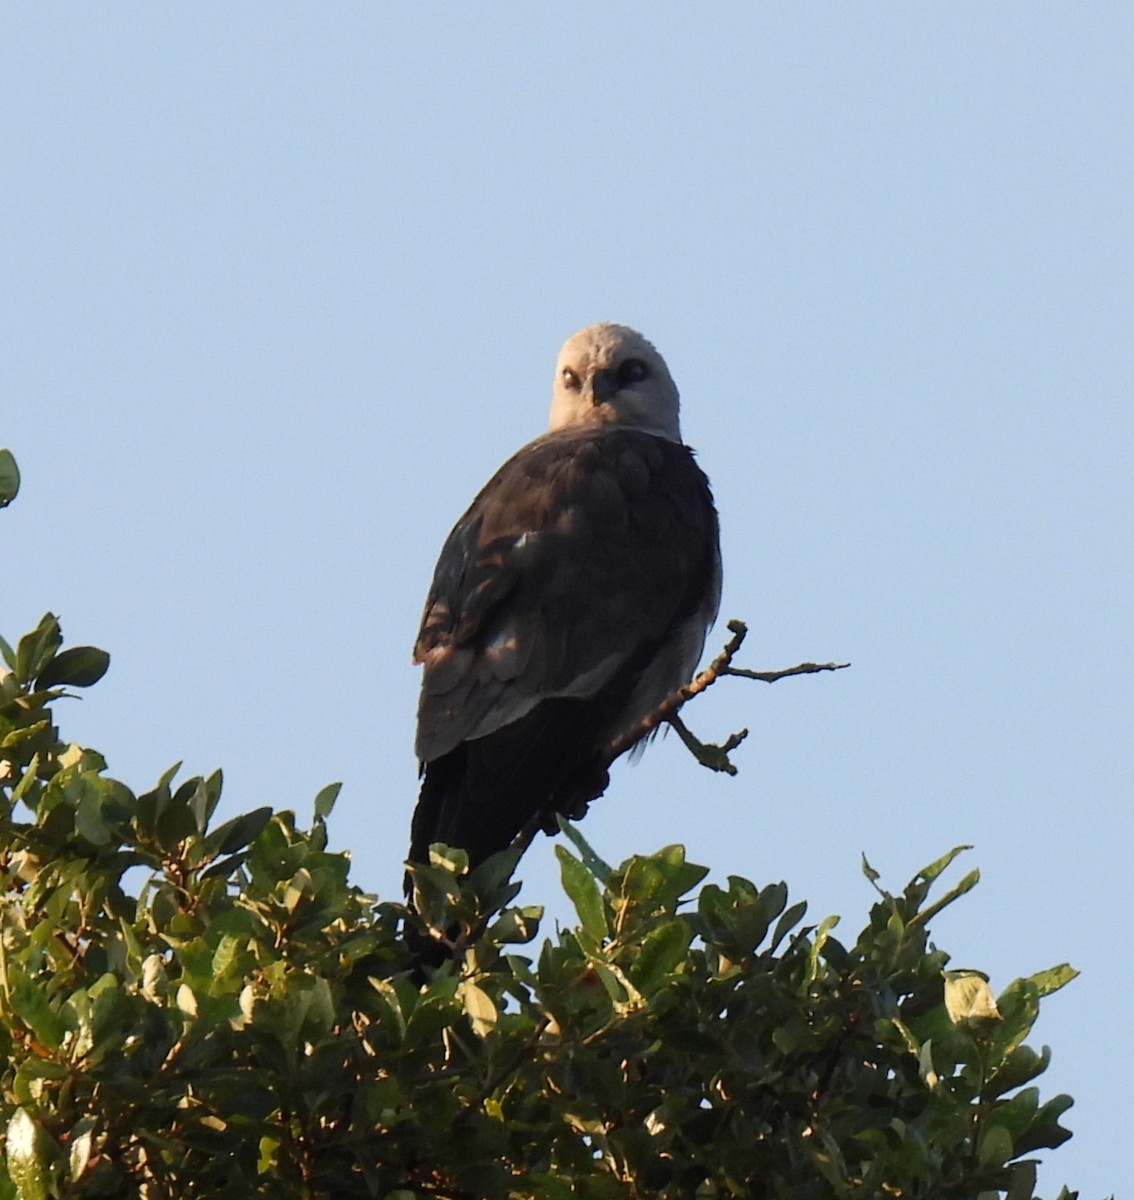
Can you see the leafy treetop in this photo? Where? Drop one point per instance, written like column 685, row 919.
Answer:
column 199, row 1009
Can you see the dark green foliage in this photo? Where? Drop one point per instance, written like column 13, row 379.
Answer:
column 9, row 478
column 215, row 1011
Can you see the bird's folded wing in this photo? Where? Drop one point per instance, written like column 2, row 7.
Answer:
column 583, row 549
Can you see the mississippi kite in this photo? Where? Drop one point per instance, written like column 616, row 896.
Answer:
column 571, row 598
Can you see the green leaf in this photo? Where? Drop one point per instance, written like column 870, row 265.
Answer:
column 9, row 478
column 680, row 876
column 652, row 883
column 663, row 949
column 1053, row 979
column 624, row 995
column 29, row 999
column 30, row 1152
column 29, row 778
column 224, row 867
column 236, row 834
column 516, row 925
column 35, row 649
column 168, row 775
column 818, row 942
column 80, row 666
column 177, row 820
column 194, row 794
column 790, row 1036
column 451, row 859
column 267, row 1161
column 966, row 885
column 1019, row 1067
column 597, row 867
column 787, row 922
column 1019, row 1006
column 930, row 873
column 995, row 1145
column 435, row 888
column 80, row 1142
column 969, row 998
column 491, row 878
column 1023, row 1185
column 325, row 800
column 90, row 819
column 1018, row 1113
column 1045, row 1132
column 580, row 886
column 30, row 1076
column 479, row 1008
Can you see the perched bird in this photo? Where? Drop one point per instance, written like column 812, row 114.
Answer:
column 571, row 598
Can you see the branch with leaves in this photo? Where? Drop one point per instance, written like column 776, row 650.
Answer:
column 260, row 1026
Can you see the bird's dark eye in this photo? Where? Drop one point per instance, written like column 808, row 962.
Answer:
column 633, row 370
column 570, row 379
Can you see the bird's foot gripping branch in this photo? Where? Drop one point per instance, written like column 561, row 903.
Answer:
column 234, row 1018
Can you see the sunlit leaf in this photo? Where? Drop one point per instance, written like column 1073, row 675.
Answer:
column 1053, row 979
column 517, row 925
column 969, row 998
column 968, row 882
column 935, row 868
column 29, row 1154
column 479, row 1007
column 82, row 1136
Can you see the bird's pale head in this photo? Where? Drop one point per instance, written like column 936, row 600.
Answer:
column 611, row 374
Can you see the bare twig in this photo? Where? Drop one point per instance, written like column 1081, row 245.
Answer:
column 676, row 699
column 798, row 669
column 709, row 755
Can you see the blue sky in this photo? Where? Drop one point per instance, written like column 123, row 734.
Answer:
column 284, row 284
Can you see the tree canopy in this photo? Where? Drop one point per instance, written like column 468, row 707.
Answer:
column 191, row 1008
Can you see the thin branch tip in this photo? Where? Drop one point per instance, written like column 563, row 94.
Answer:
column 667, row 710
column 805, row 668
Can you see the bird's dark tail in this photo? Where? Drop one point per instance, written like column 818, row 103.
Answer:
column 483, row 793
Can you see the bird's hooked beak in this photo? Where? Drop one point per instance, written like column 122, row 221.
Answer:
column 602, row 387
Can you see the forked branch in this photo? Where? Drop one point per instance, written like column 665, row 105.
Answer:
column 708, row 754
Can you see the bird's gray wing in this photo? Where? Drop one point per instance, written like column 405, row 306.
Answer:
column 583, row 549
